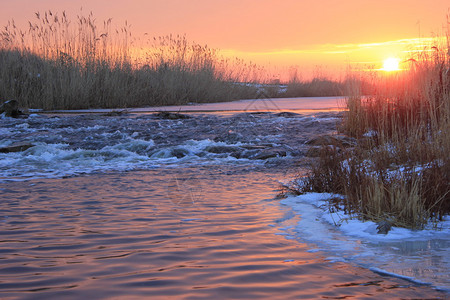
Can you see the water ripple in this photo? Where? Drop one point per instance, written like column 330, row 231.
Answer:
column 121, row 235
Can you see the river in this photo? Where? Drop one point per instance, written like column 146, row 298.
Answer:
column 137, row 205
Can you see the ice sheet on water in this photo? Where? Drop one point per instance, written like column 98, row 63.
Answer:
column 422, row 256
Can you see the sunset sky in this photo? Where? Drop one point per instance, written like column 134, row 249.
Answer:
column 315, row 35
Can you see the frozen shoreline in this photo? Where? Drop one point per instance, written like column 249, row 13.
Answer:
column 419, row 256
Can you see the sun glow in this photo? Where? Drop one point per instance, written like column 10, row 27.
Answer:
column 391, row 64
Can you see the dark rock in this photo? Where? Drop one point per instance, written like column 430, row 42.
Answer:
column 179, row 152
column 317, row 151
column 229, row 138
column 286, row 114
column 254, row 147
column 336, row 140
column 384, row 227
column 171, row 116
column 270, row 153
column 115, row 113
column 258, row 113
column 322, row 140
column 10, row 105
column 236, row 154
column 16, row 147
column 223, row 149
column 11, row 109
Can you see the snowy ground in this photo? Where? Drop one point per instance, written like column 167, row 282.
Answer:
column 421, row 256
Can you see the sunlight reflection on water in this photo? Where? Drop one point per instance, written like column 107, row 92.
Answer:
column 136, row 234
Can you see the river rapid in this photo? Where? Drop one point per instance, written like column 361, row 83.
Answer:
column 145, row 205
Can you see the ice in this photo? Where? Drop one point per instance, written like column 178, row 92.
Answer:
column 421, row 256
column 370, row 133
column 304, row 103
column 384, row 272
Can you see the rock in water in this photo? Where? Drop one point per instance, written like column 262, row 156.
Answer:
column 11, row 109
column 270, row 153
column 383, row 227
column 171, row 116
column 16, row 147
column 287, row 114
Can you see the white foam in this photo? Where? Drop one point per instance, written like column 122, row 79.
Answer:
column 23, row 126
column 52, row 160
column 57, row 160
column 89, row 128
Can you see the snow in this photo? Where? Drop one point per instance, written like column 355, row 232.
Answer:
column 421, row 256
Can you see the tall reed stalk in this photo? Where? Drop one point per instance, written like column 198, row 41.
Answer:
column 400, row 169
column 60, row 64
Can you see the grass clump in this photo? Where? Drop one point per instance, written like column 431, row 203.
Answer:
column 60, row 64
column 400, row 169
column 316, row 87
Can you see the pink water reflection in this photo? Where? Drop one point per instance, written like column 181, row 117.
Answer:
column 123, row 235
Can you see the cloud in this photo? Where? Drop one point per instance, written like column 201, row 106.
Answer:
column 401, row 45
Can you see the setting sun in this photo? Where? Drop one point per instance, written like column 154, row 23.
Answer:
column 391, row 64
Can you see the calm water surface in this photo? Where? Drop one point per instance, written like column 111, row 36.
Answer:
column 193, row 233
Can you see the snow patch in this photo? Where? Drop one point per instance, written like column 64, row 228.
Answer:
column 421, row 256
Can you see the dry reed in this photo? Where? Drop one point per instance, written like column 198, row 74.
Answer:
column 60, row 64
column 400, row 169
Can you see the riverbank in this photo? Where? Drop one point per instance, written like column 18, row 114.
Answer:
column 298, row 104
column 58, row 64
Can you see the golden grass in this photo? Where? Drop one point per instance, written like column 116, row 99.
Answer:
column 316, row 87
column 60, row 64
column 400, row 169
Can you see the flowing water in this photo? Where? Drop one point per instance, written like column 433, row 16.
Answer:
column 137, row 206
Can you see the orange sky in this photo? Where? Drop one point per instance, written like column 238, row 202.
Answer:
column 315, row 35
